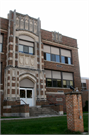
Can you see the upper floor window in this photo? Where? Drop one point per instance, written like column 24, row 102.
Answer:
column 25, row 45
column 83, row 84
column 65, row 56
column 1, row 42
column 51, row 53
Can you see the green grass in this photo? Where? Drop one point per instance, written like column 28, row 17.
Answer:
column 53, row 125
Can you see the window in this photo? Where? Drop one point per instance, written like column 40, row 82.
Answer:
column 29, row 93
column 67, row 80
column 26, row 45
column 62, row 59
column 51, row 53
column 66, row 56
column 53, row 78
column 20, row 48
column 22, row 93
column 48, row 56
column 1, row 42
column 49, row 82
column 83, row 84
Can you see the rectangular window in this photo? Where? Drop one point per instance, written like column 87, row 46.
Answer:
column 29, row 93
column 21, row 48
column 62, row 59
column 68, row 83
column 49, row 83
column 44, row 55
column 71, row 83
column 48, row 57
column 53, row 57
column 57, row 58
column 58, row 83
column 31, row 50
column 0, row 47
column 22, row 93
column 26, row 49
column 54, row 83
column 66, row 60
column 69, row 61
column 1, row 42
column 66, row 56
column 64, row 83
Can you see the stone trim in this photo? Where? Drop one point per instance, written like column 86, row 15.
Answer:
column 61, row 93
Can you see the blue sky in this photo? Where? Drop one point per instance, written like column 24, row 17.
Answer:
column 68, row 17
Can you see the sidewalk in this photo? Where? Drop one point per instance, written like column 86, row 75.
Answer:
column 32, row 117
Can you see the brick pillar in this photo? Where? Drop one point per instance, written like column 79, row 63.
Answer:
column 74, row 111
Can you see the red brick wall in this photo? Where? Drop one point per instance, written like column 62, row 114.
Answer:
column 74, row 111
column 47, row 35
column 87, row 84
column 52, row 99
column 4, row 28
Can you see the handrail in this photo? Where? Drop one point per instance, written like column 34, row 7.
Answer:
column 22, row 100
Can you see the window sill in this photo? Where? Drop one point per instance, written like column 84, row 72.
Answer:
column 60, row 63
column 1, row 84
column 1, row 52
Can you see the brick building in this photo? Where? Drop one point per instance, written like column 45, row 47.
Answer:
column 85, row 90
column 37, row 66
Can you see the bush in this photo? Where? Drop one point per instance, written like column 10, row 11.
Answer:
column 85, row 108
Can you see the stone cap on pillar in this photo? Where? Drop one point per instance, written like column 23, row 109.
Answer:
column 73, row 92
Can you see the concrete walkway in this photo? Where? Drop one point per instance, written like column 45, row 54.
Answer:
column 31, row 117
column 45, row 116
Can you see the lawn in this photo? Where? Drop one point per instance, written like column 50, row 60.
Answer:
column 53, row 125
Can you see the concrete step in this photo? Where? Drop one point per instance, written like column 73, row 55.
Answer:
column 35, row 111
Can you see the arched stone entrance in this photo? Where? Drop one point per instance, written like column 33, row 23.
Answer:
column 27, row 89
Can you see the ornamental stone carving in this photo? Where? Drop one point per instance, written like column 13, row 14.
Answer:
column 27, row 60
column 21, row 60
column 32, row 61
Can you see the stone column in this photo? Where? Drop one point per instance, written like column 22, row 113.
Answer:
column 74, row 111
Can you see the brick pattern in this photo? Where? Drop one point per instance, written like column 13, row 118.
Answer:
column 20, row 109
column 87, row 84
column 52, row 98
column 47, row 35
column 74, row 111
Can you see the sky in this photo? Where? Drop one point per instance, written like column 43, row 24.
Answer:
column 68, row 17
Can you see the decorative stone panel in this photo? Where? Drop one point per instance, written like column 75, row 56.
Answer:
column 26, row 60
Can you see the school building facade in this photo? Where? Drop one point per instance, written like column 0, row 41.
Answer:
column 37, row 66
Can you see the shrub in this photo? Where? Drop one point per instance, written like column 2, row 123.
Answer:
column 85, row 108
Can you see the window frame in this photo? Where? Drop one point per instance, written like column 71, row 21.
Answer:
column 28, row 47
column 60, row 56
column 60, row 79
column 2, row 42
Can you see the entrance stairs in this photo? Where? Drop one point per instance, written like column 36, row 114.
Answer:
column 41, row 111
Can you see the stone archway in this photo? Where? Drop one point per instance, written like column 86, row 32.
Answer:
column 28, row 82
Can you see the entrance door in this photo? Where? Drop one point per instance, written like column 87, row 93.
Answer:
column 26, row 95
